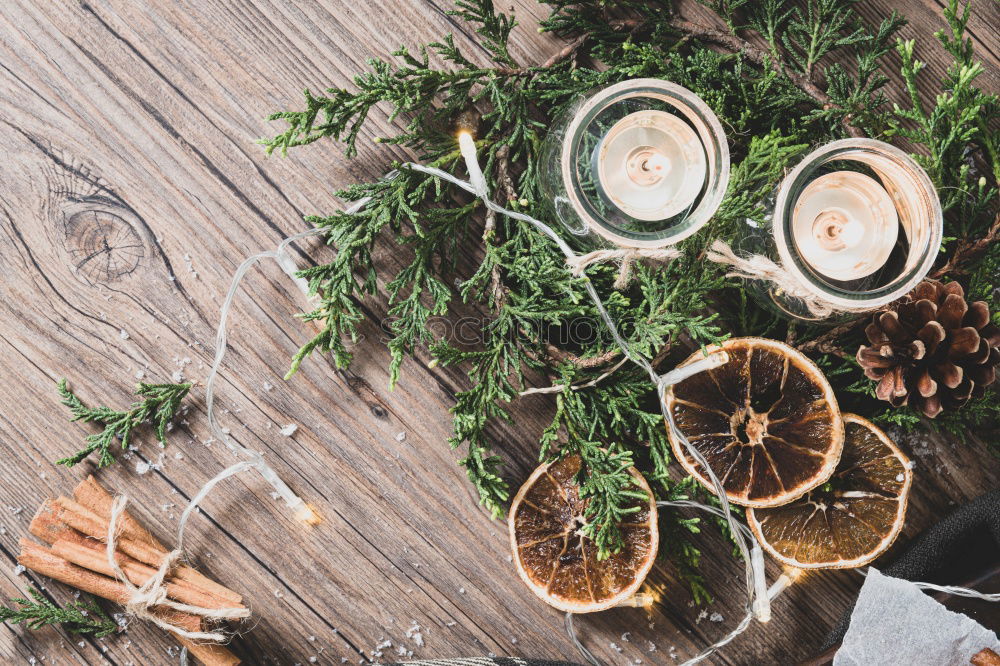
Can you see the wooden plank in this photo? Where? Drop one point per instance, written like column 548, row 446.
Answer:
column 142, row 117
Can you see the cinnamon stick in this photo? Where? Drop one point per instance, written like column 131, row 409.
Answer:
column 45, row 562
column 77, row 540
column 86, row 521
column 49, row 525
column 97, row 501
column 137, row 573
column 77, row 530
column 210, row 654
column 90, row 494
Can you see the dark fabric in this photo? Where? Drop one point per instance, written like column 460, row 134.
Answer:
column 966, row 541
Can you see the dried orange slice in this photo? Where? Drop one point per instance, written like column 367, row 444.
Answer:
column 852, row 518
column 553, row 557
column 766, row 421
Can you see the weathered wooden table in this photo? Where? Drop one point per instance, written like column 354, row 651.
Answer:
column 131, row 188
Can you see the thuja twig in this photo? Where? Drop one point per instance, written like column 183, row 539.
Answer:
column 732, row 43
column 159, row 403
column 77, row 617
column 762, row 58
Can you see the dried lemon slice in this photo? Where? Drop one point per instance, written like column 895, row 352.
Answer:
column 553, row 557
column 851, row 519
column 766, row 421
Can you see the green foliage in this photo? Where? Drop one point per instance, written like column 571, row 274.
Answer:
column 984, row 281
column 752, row 180
column 159, row 403
column 77, row 617
column 954, row 127
column 612, row 492
column 775, row 103
column 817, row 29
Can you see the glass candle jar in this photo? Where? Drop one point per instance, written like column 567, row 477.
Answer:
column 856, row 225
column 639, row 164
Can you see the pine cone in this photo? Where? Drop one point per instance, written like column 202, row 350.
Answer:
column 934, row 352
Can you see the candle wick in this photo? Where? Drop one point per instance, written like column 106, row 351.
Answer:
column 836, row 229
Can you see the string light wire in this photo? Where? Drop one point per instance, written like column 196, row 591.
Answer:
column 758, row 604
column 758, row 595
column 252, row 459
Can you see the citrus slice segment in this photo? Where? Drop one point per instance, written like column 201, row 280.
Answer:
column 557, row 561
column 766, row 421
column 852, row 518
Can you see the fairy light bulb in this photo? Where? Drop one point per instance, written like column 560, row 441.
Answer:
column 639, row 600
column 306, row 514
column 467, row 146
column 845, row 225
column 787, row 578
column 651, row 165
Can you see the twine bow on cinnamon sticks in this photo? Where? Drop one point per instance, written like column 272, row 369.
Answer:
column 96, row 546
column 154, row 592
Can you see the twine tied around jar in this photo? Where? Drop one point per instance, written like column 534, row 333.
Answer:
column 626, row 256
column 759, row 267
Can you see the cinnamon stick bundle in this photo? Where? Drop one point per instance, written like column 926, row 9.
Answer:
column 77, row 530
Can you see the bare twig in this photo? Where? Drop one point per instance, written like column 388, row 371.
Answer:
column 570, row 51
column 562, row 356
column 489, row 231
column 825, row 343
column 967, row 249
column 559, row 388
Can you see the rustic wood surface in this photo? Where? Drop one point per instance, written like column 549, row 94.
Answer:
column 130, row 189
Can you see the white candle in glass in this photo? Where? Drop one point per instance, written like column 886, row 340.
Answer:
column 651, row 165
column 845, row 225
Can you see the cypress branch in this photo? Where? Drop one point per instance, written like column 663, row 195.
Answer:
column 159, row 404
column 77, row 617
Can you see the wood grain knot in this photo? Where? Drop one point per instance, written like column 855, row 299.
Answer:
column 103, row 245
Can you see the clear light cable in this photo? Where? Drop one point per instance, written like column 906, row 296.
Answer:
column 758, row 596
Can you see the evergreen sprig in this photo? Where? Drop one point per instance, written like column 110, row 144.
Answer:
column 820, row 75
column 77, row 617
column 955, row 128
column 159, row 404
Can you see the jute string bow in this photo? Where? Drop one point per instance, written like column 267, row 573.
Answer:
column 154, row 591
column 759, row 267
column 627, row 256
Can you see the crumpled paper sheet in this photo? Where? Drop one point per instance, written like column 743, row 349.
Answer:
column 894, row 622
